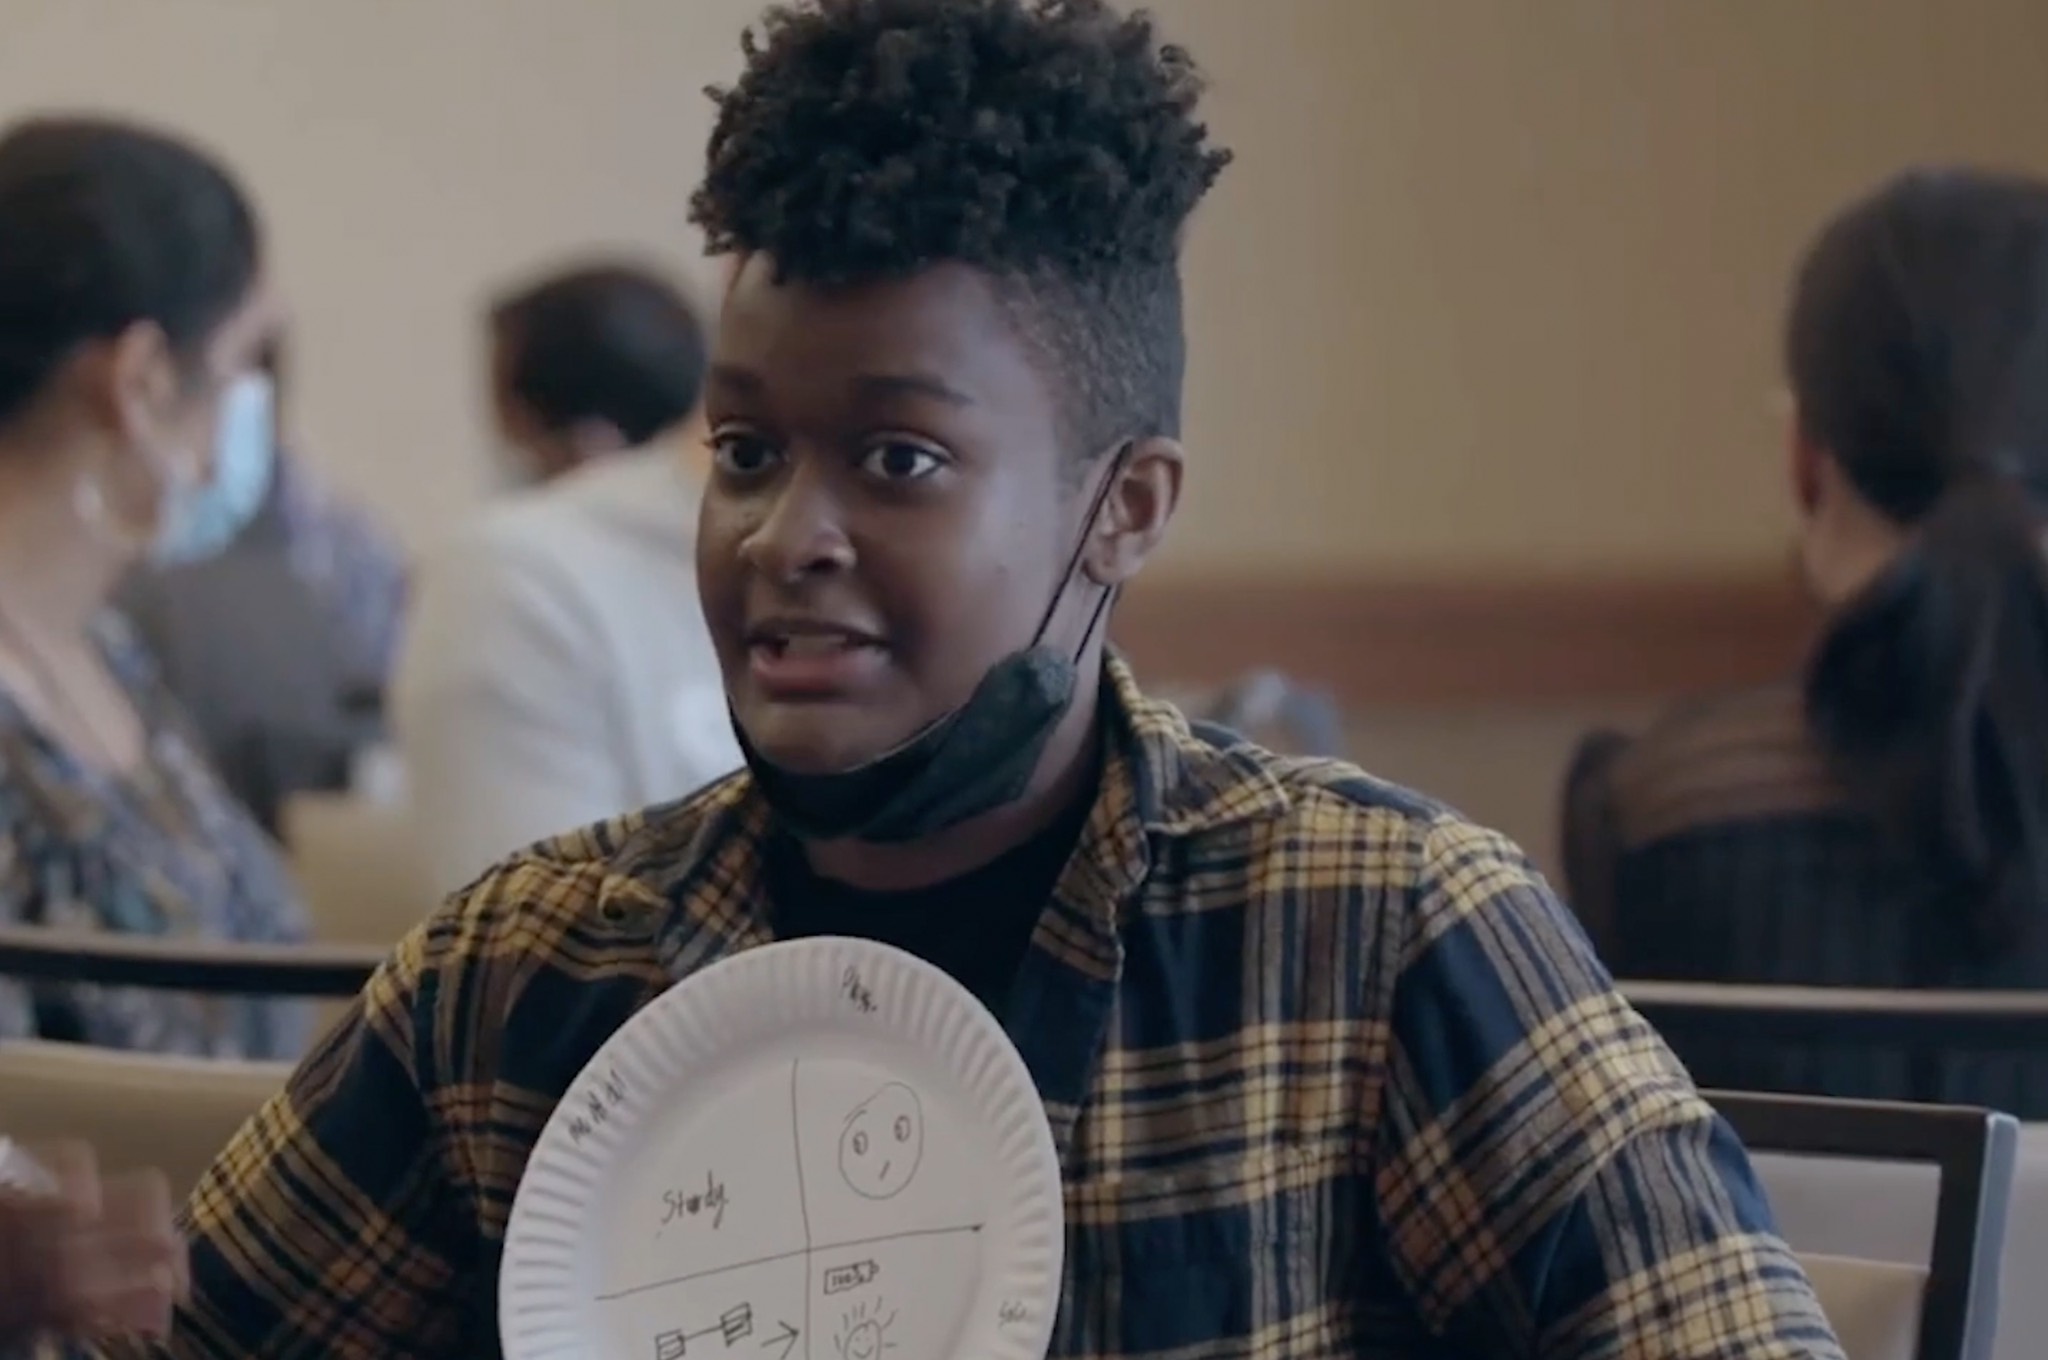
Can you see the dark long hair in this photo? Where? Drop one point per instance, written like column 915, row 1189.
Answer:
column 1917, row 346
column 105, row 223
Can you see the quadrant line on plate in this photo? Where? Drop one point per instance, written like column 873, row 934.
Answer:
column 803, row 1203
column 907, row 1233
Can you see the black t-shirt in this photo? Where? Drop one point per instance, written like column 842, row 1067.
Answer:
column 976, row 927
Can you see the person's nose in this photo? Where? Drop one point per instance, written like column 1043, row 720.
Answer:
column 803, row 533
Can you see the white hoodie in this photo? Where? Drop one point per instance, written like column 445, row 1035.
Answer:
column 556, row 669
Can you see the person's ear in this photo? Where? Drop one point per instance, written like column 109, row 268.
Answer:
column 134, row 382
column 1806, row 462
column 1139, row 504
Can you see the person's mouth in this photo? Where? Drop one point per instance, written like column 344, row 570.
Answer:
column 794, row 658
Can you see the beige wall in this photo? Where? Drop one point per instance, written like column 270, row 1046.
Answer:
column 1493, row 285
column 410, row 155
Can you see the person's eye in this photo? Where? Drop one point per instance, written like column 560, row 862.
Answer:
column 735, row 453
column 898, row 461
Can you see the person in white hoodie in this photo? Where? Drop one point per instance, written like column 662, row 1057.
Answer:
column 556, row 669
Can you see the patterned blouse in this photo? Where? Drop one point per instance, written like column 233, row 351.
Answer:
column 162, row 851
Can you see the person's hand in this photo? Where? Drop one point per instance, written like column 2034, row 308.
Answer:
column 101, row 1257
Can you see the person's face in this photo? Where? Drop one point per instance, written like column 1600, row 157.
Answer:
column 161, row 410
column 886, row 516
column 188, row 415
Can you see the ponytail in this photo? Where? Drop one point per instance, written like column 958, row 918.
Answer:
column 1930, row 693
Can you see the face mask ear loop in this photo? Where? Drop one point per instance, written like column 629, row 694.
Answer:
column 1116, row 467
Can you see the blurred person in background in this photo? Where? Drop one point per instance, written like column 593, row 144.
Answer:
column 550, row 678
column 83, row 1255
column 1883, row 823
column 1270, row 710
column 280, row 647
column 134, row 425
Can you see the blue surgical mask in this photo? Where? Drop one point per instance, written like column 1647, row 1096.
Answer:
column 200, row 519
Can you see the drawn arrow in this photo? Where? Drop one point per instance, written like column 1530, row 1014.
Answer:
column 786, row 1338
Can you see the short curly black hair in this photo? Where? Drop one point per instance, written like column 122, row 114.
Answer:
column 1051, row 144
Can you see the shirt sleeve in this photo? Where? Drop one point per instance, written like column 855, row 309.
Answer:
column 330, row 1224
column 1550, row 1182
column 500, row 711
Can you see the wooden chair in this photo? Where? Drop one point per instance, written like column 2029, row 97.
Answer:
column 135, row 1109
column 360, row 865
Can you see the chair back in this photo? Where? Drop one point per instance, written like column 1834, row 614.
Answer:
column 1915, row 1018
column 135, row 1109
column 359, row 862
column 106, row 958
column 1875, row 1307
column 1972, row 1153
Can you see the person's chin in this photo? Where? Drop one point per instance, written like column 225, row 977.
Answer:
column 808, row 738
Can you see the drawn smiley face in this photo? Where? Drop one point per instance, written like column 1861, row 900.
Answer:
column 863, row 1342
column 864, row 1333
column 883, row 1142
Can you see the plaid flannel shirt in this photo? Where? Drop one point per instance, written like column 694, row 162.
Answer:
column 1329, row 1071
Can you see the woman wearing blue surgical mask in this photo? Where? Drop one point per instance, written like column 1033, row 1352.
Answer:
column 135, row 424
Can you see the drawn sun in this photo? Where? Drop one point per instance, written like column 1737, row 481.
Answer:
column 864, row 1333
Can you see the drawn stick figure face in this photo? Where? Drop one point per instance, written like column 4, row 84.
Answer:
column 883, row 1142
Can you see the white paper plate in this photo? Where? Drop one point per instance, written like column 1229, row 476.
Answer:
column 820, row 1149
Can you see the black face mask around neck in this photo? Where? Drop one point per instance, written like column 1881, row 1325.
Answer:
column 973, row 760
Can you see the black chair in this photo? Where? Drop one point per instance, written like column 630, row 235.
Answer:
column 1974, row 1151
column 41, row 954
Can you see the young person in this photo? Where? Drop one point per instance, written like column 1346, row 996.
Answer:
column 1328, row 1069
column 1883, row 823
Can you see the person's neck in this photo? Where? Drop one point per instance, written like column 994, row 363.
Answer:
column 54, row 574
column 1067, row 772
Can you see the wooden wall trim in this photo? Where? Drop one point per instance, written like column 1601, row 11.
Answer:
column 1472, row 641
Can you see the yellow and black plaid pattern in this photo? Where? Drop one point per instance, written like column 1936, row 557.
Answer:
column 1329, row 1072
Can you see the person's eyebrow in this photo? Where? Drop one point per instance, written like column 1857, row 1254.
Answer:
column 909, row 385
column 738, row 379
